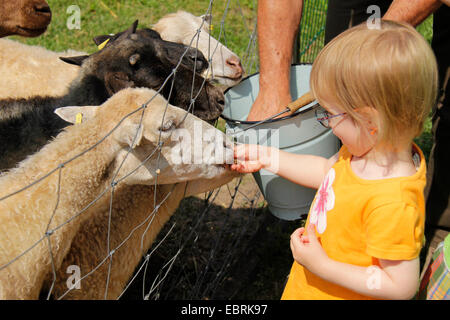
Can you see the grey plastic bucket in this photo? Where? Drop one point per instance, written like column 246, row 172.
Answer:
column 300, row 133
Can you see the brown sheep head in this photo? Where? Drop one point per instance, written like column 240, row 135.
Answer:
column 140, row 58
column 27, row 18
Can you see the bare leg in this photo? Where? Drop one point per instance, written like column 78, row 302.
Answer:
column 278, row 22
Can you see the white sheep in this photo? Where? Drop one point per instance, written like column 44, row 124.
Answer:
column 50, row 213
column 32, row 70
column 183, row 27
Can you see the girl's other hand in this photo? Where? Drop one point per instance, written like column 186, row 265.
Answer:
column 307, row 250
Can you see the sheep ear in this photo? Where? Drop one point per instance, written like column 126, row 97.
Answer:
column 76, row 114
column 133, row 27
column 78, row 61
column 130, row 30
column 100, row 39
column 129, row 133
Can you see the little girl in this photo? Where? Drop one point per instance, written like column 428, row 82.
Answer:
column 365, row 228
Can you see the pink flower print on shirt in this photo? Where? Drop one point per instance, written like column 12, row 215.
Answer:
column 324, row 202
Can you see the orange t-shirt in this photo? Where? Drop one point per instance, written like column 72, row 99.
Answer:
column 359, row 221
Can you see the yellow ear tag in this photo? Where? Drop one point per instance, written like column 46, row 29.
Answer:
column 78, row 118
column 211, row 27
column 103, row 44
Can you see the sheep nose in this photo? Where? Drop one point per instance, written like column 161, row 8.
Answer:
column 235, row 64
column 220, row 100
column 42, row 8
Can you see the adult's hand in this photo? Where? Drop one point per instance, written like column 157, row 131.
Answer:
column 268, row 103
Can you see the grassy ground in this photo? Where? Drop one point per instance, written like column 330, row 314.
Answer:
column 110, row 16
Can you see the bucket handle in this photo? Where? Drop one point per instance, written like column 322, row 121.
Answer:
column 292, row 107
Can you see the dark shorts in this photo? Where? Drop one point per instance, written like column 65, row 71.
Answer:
column 342, row 14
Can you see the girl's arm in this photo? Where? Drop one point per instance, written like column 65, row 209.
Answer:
column 307, row 170
column 390, row 280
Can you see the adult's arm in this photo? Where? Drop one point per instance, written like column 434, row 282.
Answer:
column 411, row 11
column 278, row 22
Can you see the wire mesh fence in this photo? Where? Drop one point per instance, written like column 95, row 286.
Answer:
column 211, row 247
column 310, row 39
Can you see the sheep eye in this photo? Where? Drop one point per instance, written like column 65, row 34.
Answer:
column 167, row 126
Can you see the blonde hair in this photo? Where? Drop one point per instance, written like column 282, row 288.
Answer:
column 391, row 69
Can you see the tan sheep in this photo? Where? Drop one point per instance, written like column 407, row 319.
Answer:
column 32, row 70
column 29, row 71
column 134, row 227
column 50, row 213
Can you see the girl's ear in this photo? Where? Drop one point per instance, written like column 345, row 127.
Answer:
column 370, row 117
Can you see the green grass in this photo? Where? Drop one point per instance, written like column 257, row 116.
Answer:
column 426, row 28
column 110, row 16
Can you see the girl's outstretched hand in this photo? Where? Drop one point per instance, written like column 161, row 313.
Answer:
column 250, row 158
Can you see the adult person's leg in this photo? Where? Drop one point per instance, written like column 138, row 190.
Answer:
column 278, row 23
